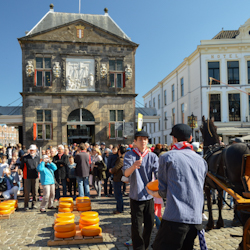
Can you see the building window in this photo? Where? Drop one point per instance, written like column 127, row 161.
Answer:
column 153, row 102
column 43, row 72
column 145, row 105
column 234, row 107
column 159, row 102
column 116, row 124
column 233, row 72
column 182, row 86
column 248, row 71
column 154, row 127
column 43, row 125
column 150, row 128
column 173, row 117
column 159, row 124
column 214, row 72
column 165, row 97
column 182, row 113
column 159, row 139
column 165, row 119
column 173, row 93
column 215, row 107
column 116, row 74
column 150, row 104
column 154, row 140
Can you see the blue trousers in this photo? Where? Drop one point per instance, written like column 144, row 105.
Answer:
column 118, row 195
column 83, row 185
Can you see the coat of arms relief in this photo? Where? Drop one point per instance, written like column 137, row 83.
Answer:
column 29, row 68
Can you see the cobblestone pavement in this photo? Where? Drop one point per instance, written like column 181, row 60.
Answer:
column 32, row 229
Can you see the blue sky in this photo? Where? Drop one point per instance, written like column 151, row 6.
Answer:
column 167, row 31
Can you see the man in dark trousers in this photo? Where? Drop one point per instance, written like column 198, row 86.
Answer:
column 28, row 165
column 181, row 179
column 83, row 162
column 139, row 165
column 61, row 174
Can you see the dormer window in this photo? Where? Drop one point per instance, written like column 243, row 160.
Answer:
column 43, row 72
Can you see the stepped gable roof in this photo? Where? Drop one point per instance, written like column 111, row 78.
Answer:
column 10, row 110
column 54, row 19
column 227, row 34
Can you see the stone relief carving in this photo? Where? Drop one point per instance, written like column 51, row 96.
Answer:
column 29, row 69
column 57, row 70
column 80, row 74
column 128, row 72
column 104, row 70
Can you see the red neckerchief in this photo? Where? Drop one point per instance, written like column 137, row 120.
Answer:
column 60, row 156
column 136, row 150
column 182, row 145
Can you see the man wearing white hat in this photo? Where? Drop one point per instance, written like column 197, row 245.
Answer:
column 30, row 174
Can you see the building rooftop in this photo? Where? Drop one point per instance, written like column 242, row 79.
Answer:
column 54, row 19
column 227, row 34
column 10, row 110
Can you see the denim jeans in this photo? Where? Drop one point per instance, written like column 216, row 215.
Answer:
column 97, row 185
column 64, row 184
column 83, row 182
column 118, row 195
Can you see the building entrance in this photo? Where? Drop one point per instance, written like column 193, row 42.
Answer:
column 81, row 127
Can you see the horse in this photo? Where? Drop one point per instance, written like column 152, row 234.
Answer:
column 224, row 162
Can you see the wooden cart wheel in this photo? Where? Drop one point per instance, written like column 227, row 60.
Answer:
column 246, row 235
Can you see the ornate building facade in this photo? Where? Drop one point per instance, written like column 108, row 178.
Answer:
column 78, row 80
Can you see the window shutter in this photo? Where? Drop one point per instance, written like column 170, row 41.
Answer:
column 124, row 79
column 34, row 131
column 35, row 78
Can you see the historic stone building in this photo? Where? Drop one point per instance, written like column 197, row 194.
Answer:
column 78, row 80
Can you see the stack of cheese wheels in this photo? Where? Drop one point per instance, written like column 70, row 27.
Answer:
column 7, row 207
column 83, row 203
column 64, row 225
column 66, row 204
column 89, row 224
column 12, row 202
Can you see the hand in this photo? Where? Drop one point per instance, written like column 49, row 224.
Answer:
column 149, row 191
column 67, row 179
column 61, row 165
column 110, row 170
column 137, row 164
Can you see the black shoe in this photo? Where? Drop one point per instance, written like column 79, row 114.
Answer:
column 214, row 202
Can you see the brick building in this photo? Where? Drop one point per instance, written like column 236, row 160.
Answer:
column 78, row 80
column 8, row 135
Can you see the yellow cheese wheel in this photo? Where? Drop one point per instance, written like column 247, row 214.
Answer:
column 89, row 221
column 80, row 199
column 153, row 185
column 5, row 206
column 64, row 227
column 89, row 214
column 66, row 209
column 84, row 208
column 66, row 204
column 91, row 231
column 84, row 225
column 6, row 211
column 12, row 202
column 66, row 199
column 64, row 220
column 65, row 234
column 85, row 203
column 66, row 215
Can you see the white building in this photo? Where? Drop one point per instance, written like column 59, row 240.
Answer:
column 187, row 89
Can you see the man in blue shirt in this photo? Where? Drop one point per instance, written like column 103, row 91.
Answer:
column 182, row 174
column 139, row 165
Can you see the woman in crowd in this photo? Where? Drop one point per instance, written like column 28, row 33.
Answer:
column 72, row 177
column 97, row 157
column 46, row 169
column 12, row 187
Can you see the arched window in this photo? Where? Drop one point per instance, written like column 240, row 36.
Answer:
column 81, row 115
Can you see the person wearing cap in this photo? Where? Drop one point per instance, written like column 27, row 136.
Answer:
column 139, row 165
column 29, row 165
column 237, row 140
column 46, row 169
column 102, row 147
column 181, row 179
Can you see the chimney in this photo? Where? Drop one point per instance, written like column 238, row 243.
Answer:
column 106, row 11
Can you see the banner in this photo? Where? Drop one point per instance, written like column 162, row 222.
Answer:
column 140, row 122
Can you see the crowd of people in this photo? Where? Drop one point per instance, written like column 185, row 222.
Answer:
column 75, row 169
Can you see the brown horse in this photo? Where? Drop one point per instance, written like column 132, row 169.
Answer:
column 223, row 162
